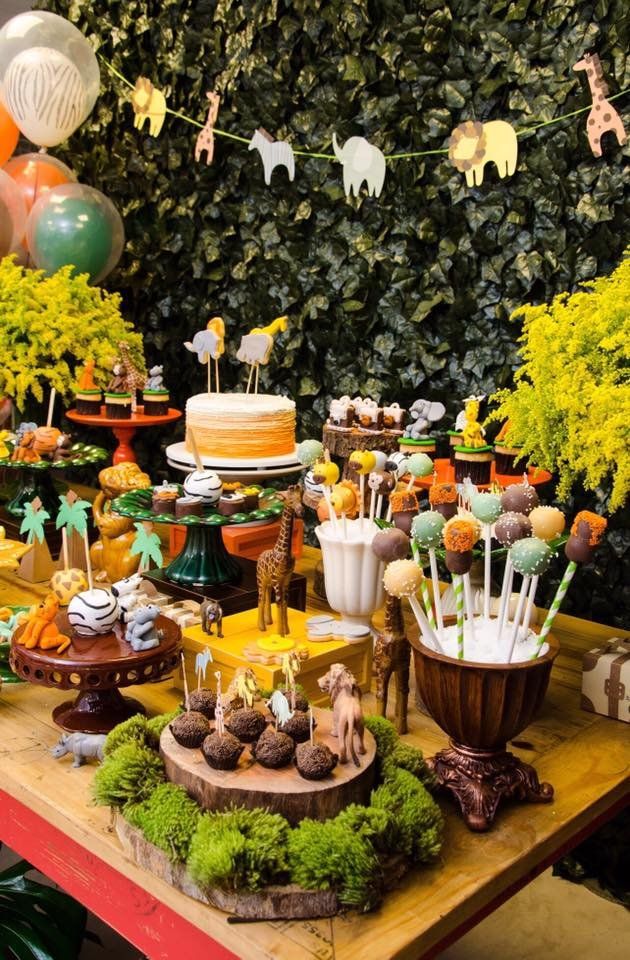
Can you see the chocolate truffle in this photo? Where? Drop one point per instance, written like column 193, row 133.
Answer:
column 316, row 761
column 246, row 723
column 222, row 751
column 273, row 749
column 251, row 496
column 188, row 506
column 203, row 701
column 391, row 544
column 298, row 727
column 520, row 498
column 190, row 729
column 511, row 527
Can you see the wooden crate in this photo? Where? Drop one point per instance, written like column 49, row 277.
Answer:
column 246, row 542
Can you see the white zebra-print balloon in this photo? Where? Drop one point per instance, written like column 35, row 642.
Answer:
column 93, row 611
column 45, row 94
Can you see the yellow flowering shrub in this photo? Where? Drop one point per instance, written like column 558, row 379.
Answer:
column 570, row 407
column 50, row 325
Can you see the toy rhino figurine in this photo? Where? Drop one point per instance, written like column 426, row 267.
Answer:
column 82, row 746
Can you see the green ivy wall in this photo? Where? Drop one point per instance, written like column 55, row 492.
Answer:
column 399, row 297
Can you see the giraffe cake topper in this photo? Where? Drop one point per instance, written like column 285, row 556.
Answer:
column 205, row 140
column 603, row 117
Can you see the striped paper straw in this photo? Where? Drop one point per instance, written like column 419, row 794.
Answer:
column 555, row 606
column 426, row 599
column 458, row 589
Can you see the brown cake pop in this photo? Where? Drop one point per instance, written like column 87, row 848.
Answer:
column 587, row 531
column 391, row 544
column 511, row 527
column 459, row 540
column 404, row 504
column 519, row 498
column 190, row 729
column 443, row 499
column 222, row 751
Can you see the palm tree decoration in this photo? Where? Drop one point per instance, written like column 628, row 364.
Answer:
column 147, row 544
column 71, row 519
column 37, row 564
column 34, row 519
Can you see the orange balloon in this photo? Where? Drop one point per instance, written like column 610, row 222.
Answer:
column 9, row 136
column 36, row 174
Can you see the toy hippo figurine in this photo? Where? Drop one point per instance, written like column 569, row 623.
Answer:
column 82, row 746
column 142, row 634
column 423, row 413
column 155, row 381
column 210, row 613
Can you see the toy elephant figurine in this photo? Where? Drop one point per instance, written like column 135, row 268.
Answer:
column 423, row 413
column 361, row 161
column 473, row 144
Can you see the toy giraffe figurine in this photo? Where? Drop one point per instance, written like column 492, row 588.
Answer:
column 603, row 117
column 205, row 140
column 274, row 567
column 392, row 653
column 134, row 379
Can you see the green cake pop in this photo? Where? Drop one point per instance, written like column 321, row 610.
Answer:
column 530, row 556
column 426, row 529
column 309, row 451
column 420, row 465
column 486, row 507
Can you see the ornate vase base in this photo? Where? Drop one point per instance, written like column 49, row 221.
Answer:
column 481, row 779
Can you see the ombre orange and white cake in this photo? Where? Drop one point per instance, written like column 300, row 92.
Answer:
column 241, row 426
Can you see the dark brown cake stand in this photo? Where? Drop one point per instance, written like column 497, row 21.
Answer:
column 95, row 668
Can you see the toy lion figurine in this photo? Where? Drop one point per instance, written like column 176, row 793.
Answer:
column 111, row 554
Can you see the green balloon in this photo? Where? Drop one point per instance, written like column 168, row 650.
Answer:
column 74, row 231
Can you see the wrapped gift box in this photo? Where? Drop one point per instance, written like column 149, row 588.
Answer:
column 606, row 679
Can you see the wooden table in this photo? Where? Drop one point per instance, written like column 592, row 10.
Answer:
column 45, row 815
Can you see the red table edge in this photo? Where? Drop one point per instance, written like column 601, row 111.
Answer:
column 138, row 916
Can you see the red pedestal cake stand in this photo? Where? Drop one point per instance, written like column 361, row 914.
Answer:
column 446, row 473
column 124, row 430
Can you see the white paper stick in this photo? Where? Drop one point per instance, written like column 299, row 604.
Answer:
column 257, row 373
column 209, row 374
column 195, row 450
column 372, row 506
column 216, row 374
column 487, row 573
column 423, row 623
column 362, row 498
column 186, row 697
column 470, row 608
column 517, row 616
column 437, row 596
column 379, row 505
column 331, row 513
column 51, row 406
column 249, row 379
column 529, row 609
column 86, row 544
column 64, row 547
column 506, row 591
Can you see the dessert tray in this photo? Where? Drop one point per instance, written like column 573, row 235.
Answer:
column 35, row 479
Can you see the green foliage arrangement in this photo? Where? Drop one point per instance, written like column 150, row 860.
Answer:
column 392, row 753
column 416, row 822
column 133, row 730
column 242, row 849
column 168, row 819
column 128, row 775
column 50, row 325
column 570, row 407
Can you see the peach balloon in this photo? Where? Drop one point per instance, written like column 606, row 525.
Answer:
column 9, row 136
column 36, row 174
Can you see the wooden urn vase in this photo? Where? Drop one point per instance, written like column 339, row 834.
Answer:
column 481, row 706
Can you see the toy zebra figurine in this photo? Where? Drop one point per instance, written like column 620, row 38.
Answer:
column 273, row 153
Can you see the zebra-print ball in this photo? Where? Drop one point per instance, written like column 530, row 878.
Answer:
column 205, row 484
column 93, row 611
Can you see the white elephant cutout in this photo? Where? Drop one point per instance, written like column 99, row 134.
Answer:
column 361, row 161
column 473, row 144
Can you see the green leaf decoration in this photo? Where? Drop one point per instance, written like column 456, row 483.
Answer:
column 33, row 523
column 147, row 545
column 73, row 516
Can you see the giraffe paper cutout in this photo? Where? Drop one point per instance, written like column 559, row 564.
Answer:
column 603, row 117
column 205, row 140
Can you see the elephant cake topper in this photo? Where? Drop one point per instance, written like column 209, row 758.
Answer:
column 148, row 104
column 209, row 344
column 603, row 117
column 361, row 162
column 473, row 144
column 424, row 413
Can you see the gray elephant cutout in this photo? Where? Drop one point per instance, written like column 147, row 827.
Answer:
column 424, row 413
column 361, row 161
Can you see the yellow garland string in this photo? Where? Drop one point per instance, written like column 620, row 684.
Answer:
column 390, row 156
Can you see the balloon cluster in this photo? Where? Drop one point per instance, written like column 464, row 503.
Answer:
column 49, row 82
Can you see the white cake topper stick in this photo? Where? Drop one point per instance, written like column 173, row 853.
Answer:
column 195, row 450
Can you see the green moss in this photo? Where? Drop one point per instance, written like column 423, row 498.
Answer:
column 241, row 849
column 168, row 818
column 133, row 730
column 412, row 759
column 128, row 775
column 415, row 825
column 156, row 724
column 384, row 732
column 371, row 823
column 329, row 856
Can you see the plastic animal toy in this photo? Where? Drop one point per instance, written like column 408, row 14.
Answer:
column 41, row 629
column 345, row 699
column 82, row 746
column 148, row 103
column 424, row 413
column 126, row 592
column 274, row 567
column 86, row 379
column 473, row 434
column 155, row 380
column 211, row 613
column 111, row 555
column 23, row 452
column 273, row 153
column 473, row 144
column 142, row 634
column 392, row 655
column 361, row 161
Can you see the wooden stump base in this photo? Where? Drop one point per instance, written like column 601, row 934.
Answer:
column 281, row 791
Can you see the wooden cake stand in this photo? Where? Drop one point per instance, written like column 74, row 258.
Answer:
column 281, row 791
column 95, row 668
column 124, row 430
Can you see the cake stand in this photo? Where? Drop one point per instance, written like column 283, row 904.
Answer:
column 248, row 469
column 95, row 668
column 203, row 560
column 446, row 473
column 35, row 479
column 124, row 430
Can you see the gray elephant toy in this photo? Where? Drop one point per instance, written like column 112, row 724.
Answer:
column 361, row 161
column 142, row 634
column 82, row 746
column 423, row 413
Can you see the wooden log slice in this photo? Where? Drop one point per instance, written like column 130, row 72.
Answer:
column 281, row 791
column 273, row 903
column 341, row 443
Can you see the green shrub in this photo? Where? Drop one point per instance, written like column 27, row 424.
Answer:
column 241, row 849
column 128, row 775
column 133, row 730
column 384, row 732
column 156, row 725
column 329, row 856
column 168, row 819
column 415, row 818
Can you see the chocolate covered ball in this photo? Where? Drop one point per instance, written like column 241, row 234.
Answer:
column 190, row 729
column 402, row 578
column 273, row 749
column 458, row 562
column 298, row 727
column 315, row 761
column 530, row 556
column 511, row 527
column 222, row 751
column 246, row 724
column 391, row 544
column 587, row 531
column 203, row 701
column 519, row 498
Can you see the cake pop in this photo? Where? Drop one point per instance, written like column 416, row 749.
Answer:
column 486, row 507
column 443, row 498
column 587, row 531
column 530, row 556
column 519, row 498
column 426, row 529
column 511, row 527
column 547, row 522
column 205, row 484
column 459, row 539
column 309, row 452
column 403, row 578
column 391, row 544
column 419, row 465
column 404, row 507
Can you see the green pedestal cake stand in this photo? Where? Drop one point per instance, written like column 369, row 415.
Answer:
column 36, row 479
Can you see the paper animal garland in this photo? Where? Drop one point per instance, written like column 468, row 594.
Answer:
column 473, row 144
column 205, row 140
column 361, row 161
column 273, row 153
column 148, row 104
column 603, row 117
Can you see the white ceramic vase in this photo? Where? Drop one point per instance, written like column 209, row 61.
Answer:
column 352, row 573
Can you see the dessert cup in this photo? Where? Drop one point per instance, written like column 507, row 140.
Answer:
column 352, row 573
